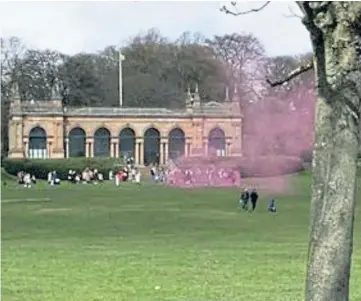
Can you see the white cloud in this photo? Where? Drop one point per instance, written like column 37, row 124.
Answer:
column 72, row 27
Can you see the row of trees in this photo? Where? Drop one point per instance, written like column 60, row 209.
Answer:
column 156, row 73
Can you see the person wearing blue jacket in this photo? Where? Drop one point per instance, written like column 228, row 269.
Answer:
column 272, row 206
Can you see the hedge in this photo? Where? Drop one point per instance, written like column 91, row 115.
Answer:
column 40, row 168
column 248, row 166
column 258, row 166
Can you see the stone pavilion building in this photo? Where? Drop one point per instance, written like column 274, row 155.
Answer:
column 48, row 129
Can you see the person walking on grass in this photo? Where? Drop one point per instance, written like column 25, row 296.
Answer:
column 244, row 199
column 254, row 197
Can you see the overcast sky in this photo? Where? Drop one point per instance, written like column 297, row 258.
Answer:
column 72, row 27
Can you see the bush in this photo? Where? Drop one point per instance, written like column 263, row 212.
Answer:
column 40, row 168
column 258, row 166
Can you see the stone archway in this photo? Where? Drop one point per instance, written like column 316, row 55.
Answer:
column 151, row 146
column 176, row 143
column 127, row 143
column 217, row 142
column 38, row 143
column 77, row 142
column 102, row 143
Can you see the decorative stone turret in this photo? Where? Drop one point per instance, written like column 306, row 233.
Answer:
column 236, row 100
column 193, row 100
column 227, row 99
column 189, row 100
column 16, row 94
column 55, row 93
column 15, row 101
column 196, row 98
column 15, row 124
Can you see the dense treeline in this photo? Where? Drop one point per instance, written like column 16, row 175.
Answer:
column 156, row 72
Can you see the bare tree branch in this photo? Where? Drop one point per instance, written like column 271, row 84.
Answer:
column 238, row 13
column 293, row 14
column 301, row 69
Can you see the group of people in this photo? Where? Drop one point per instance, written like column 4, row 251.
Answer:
column 158, row 174
column 203, row 176
column 26, row 179
column 251, row 198
column 248, row 197
column 87, row 176
column 53, row 178
column 126, row 174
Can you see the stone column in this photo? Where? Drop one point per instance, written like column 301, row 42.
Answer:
column 166, row 150
column 87, row 154
column 16, row 147
column 49, row 149
column 237, row 140
column 19, row 135
column 13, row 141
column 58, row 140
column 26, row 148
column 228, row 148
column 89, row 151
column 162, row 155
column 66, row 147
column 86, row 149
column 139, row 151
column 113, row 145
column 136, row 155
column 187, row 147
column 205, row 146
column 117, row 143
column 91, row 148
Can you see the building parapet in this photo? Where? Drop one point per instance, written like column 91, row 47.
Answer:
column 51, row 109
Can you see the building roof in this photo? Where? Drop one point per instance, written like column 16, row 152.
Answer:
column 51, row 108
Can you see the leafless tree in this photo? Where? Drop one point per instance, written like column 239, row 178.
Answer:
column 244, row 59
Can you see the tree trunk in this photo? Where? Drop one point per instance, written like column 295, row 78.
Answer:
column 336, row 37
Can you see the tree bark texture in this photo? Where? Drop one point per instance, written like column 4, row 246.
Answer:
column 335, row 31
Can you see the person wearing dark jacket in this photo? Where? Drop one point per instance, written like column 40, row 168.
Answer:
column 254, row 197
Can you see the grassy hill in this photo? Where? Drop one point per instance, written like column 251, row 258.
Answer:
column 87, row 242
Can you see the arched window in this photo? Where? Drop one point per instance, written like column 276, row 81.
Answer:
column 176, row 143
column 127, row 143
column 77, row 138
column 217, row 142
column 102, row 143
column 151, row 146
column 38, row 143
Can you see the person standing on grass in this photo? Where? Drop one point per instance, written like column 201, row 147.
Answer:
column 254, row 197
column 138, row 176
column 244, row 199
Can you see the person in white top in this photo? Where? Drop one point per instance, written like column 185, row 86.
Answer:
column 50, row 176
column 133, row 173
column 27, row 180
column 137, row 177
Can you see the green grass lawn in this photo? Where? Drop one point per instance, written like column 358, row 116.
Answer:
column 105, row 243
